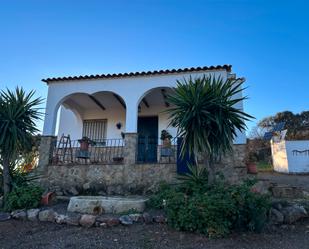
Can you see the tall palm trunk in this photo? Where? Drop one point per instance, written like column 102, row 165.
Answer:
column 209, row 164
column 6, row 176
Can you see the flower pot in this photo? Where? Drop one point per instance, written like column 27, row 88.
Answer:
column 84, row 145
column 251, row 168
column 166, row 142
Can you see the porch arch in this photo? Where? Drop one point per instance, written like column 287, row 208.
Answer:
column 99, row 105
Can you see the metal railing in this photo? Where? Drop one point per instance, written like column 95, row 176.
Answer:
column 151, row 150
column 97, row 151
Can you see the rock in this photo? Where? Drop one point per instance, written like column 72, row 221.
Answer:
column 73, row 191
column 19, row 215
column 294, row 213
column 110, row 221
column 277, row 205
column 136, row 217
column 261, row 187
column 59, row 193
column 87, row 220
column 147, row 218
column 276, row 216
column 1, row 201
column 72, row 219
column 4, row 216
column 47, row 215
column 104, row 225
column 125, row 220
column 160, row 219
column 32, row 214
column 86, row 186
column 60, row 218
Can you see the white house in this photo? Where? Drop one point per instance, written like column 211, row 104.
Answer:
column 106, row 107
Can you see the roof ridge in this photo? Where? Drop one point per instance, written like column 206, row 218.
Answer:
column 142, row 73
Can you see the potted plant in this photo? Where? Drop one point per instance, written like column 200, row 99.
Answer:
column 84, row 143
column 251, row 161
column 166, row 138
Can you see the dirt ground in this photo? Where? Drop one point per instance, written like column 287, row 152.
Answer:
column 301, row 181
column 19, row 234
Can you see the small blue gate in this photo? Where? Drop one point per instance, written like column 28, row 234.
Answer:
column 182, row 163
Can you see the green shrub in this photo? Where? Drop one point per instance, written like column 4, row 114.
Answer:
column 215, row 211
column 164, row 193
column 23, row 197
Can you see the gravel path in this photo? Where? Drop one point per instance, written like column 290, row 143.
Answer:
column 18, row 234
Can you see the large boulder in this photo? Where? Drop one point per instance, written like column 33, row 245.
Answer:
column 276, row 217
column 109, row 221
column 32, row 214
column 87, row 220
column 294, row 213
column 72, row 219
column 147, row 218
column 19, row 214
column 60, row 219
column 125, row 220
column 47, row 215
column 136, row 217
column 4, row 216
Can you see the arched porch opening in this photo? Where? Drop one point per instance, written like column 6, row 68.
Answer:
column 90, row 128
column 153, row 125
column 100, row 115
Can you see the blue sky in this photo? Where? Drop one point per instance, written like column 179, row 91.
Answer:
column 267, row 42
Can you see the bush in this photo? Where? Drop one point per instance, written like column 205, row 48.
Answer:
column 215, row 211
column 24, row 196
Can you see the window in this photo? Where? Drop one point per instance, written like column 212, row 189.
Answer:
column 95, row 128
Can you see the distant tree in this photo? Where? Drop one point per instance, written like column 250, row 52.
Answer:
column 296, row 124
column 18, row 116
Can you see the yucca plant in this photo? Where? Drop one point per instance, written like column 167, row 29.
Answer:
column 19, row 113
column 204, row 112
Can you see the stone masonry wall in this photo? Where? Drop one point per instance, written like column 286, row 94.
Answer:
column 132, row 178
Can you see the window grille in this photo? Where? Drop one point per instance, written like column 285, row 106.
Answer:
column 95, row 128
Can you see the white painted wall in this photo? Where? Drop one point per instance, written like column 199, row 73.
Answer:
column 287, row 160
column 69, row 124
column 132, row 90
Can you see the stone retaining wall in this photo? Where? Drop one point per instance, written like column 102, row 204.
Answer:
column 109, row 179
column 130, row 178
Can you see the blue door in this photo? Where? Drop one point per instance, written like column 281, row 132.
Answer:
column 182, row 162
column 147, row 128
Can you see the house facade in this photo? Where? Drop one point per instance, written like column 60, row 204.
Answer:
column 122, row 117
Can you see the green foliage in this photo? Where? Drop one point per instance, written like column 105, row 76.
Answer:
column 194, row 181
column 214, row 210
column 296, row 124
column 157, row 200
column 18, row 114
column 165, row 135
column 203, row 110
column 23, row 197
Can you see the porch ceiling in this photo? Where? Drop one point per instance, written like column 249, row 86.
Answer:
column 99, row 101
column 156, row 97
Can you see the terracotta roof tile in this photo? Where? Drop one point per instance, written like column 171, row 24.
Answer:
column 134, row 74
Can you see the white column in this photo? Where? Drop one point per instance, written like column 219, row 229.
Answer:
column 131, row 116
column 50, row 119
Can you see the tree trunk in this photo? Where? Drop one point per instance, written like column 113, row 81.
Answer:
column 6, row 176
column 211, row 170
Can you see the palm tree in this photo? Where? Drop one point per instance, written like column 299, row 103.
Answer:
column 204, row 112
column 18, row 115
